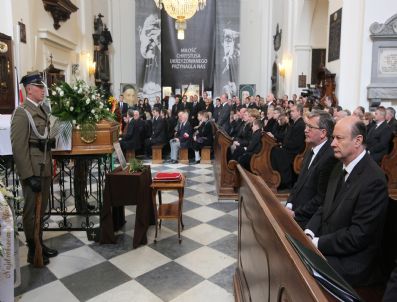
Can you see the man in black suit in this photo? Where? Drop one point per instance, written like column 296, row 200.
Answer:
column 379, row 137
column 203, row 137
column 391, row 289
column 121, row 111
column 183, row 137
column 294, row 142
column 175, row 108
column 132, row 139
column 309, row 190
column 391, row 119
column 224, row 114
column 347, row 228
column 254, row 145
column 159, row 131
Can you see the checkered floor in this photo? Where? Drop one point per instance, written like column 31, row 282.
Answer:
column 199, row 269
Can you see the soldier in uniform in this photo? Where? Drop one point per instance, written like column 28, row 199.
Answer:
column 31, row 150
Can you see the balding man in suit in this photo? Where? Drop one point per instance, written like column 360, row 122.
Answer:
column 348, row 228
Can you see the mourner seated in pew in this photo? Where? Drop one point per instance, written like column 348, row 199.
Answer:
column 308, row 192
column 183, row 136
column 132, row 139
column 203, row 135
column 280, row 129
column 347, row 228
column 254, row 145
column 271, row 119
column 238, row 123
column 159, row 131
column 245, row 134
column 379, row 137
column 294, row 142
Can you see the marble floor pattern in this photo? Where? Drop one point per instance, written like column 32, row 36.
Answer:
column 201, row 268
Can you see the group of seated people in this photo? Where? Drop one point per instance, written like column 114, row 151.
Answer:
column 187, row 129
column 340, row 198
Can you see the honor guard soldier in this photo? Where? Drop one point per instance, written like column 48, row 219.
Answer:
column 31, row 148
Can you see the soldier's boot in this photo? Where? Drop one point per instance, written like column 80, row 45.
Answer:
column 48, row 252
column 31, row 249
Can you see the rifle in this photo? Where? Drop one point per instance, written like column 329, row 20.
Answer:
column 38, row 251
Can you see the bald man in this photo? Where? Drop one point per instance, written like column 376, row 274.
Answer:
column 348, row 227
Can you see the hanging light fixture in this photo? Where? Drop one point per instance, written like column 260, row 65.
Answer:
column 181, row 10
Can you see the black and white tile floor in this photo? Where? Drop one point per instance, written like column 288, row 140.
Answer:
column 201, row 268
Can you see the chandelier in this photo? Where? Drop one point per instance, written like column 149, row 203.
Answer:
column 181, row 10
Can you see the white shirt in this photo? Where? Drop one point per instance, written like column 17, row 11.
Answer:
column 316, row 149
column 378, row 124
column 349, row 168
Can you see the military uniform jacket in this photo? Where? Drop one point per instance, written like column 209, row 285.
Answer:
column 27, row 157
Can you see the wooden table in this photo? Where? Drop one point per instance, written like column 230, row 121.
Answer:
column 170, row 210
column 123, row 188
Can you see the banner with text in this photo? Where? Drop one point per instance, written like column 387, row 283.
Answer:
column 191, row 61
column 148, row 49
column 227, row 47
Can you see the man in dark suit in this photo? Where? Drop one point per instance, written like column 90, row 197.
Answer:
column 254, row 145
column 132, row 139
column 391, row 119
column 175, row 108
column 224, row 114
column 379, row 137
column 347, row 228
column 391, row 289
column 294, row 142
column 183, row 137
column 309, row 190
column 159, row 131
column 121, row 111
column 204, row 135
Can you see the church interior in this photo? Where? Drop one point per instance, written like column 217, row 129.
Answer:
column 188, row 150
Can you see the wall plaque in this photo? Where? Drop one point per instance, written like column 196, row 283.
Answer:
column 387, row 61
column 383, row 86
column 335, row 26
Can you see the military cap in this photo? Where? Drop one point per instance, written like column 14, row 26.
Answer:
column 33, row 78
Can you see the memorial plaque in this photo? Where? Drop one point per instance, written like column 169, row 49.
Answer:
column 335, row 25
column 387, row 62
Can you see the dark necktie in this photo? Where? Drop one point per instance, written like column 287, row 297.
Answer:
column 310, row 159
column 341, row 182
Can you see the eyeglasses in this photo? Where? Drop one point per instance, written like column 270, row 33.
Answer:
column 312, row 127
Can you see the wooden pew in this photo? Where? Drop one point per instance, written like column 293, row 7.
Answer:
column 157, row 154
column 206, row 155
column 298, row 160
column 261, row 165
column 225, row 177
column 389, row 166
column 268, row 267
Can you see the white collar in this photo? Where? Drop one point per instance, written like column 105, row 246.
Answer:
column 317, row 148
column 378, row 124
column 349, row 168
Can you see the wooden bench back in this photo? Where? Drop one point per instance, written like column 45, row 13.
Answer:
column 225, row 178
column 389, row 166
column 261, row 165
column 269, row 269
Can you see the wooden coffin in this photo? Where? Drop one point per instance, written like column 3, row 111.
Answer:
column 106, row 134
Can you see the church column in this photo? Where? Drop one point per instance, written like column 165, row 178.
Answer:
column 348, row 67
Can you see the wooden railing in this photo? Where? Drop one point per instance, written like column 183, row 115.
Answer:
column 225, row 177
column 268, row 267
